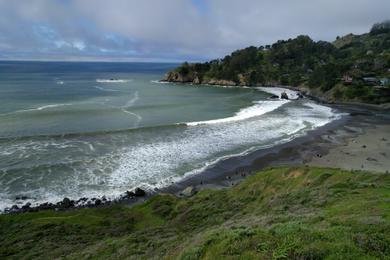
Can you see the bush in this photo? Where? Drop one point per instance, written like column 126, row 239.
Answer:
column 338, row 94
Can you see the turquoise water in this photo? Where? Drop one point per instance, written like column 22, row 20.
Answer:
column 92, row 129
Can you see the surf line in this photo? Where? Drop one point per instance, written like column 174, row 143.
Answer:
column 106, row 89
column 36, row 109
column 259, row 108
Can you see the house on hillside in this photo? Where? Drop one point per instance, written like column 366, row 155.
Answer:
column 384, row 81
column 372, row 81
column 347, row 80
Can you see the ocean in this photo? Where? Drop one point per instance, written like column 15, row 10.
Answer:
column 86, row 129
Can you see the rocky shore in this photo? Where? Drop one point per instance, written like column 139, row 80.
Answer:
column 177, row 77
column 314, row 93
column 193, row 78
column 66, row 203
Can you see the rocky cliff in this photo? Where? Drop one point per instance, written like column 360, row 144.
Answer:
column 178, row 77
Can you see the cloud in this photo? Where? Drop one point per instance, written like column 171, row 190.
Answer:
column 171, row 29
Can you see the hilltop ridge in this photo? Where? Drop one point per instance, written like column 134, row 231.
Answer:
column 352, row 68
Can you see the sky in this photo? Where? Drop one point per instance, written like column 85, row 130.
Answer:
column 171, row 30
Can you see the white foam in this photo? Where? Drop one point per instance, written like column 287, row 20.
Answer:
column 229, row 86
column 139, row 118
column 129, row 104
column 52, row 106
column 91, row 147
column 132, row 100
column 260, row 108
column 113, row 80
column 106, row 89
column 278, row 91
column 60, row 82
column 36, row 109
column 159, row 82
column 159, row 162
column 43, row 107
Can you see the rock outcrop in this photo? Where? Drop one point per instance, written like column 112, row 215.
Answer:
column 67, row 204
column 139, row 192
column 284, row 95
column 177, row 77
column 174, row 76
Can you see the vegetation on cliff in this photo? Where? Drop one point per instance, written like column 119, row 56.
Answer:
column 354, row 67
column 281, row 213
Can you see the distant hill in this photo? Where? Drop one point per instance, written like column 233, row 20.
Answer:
column 352, row 68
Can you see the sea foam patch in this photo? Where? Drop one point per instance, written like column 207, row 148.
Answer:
column 44, row 107
column 106, row 89
column 167, row 159
column 113, row 80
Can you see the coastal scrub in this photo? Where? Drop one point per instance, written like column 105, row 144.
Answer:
column 278, row 213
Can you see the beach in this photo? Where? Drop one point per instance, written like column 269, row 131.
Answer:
column 358, row 141
column 368, row 150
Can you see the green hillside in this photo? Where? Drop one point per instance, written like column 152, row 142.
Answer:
column 352, row 68
column 282, row 213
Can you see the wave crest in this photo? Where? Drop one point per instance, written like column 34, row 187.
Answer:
column 260, row 108
column 113, row 80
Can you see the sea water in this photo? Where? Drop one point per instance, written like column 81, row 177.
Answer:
column 91, row 129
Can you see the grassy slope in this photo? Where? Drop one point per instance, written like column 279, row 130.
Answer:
column 278, row 213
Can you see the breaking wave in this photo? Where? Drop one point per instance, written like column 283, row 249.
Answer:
column 113, row 80
column 258, row 109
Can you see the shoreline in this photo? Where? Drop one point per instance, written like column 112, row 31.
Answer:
column 382, row 106
column 321, row 100
column 304, row 150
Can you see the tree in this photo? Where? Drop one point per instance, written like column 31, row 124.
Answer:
column 379, row 28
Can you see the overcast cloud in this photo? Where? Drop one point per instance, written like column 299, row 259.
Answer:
column 171, row 30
